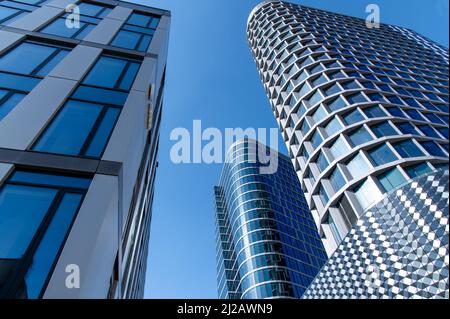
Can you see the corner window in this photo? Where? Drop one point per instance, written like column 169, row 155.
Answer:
column 36, row 213
column 137, row 32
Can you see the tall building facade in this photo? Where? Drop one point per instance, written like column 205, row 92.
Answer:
column 362, row 110
column 81, row 92
column 267, row 242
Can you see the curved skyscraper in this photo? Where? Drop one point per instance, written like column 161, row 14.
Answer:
column 267, row 242
column 362, row 109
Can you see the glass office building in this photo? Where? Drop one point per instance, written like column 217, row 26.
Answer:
column 267, row 241
column 362, row 110
column 81, row 92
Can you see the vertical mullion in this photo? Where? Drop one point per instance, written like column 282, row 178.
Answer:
column 93, row 131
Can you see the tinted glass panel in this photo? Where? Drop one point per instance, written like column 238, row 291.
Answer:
column 22, row 209
column 50, row 244
column 106, row 72
column 25, row 58
column 69, row 130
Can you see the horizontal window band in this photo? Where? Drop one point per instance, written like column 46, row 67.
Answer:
column 59, row 163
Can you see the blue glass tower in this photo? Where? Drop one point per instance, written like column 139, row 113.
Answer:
column 267, row 242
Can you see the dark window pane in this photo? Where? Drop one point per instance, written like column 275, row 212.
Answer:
column 129, row 77
column 407, row 149
column 433, row 149
column 51, row 242
column 97, row 95
column 139, row 19
column 383, row 129
column 50, row 180
column 106, row 72
column 353, row 117
column 416, row 170
column 69, row 130
column 126, row 39
column 60, row 28
column 382, row 155
column 9, row 104
column 52, row 63
column 17, row 82
column 102, row 135
column 22, row 209
column 25, row 58
column 407, row 128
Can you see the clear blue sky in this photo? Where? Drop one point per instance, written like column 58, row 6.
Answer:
column 211, row 76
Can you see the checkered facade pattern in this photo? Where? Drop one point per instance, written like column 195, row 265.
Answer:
column 398, row 249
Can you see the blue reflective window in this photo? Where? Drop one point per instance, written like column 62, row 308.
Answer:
column 417, row 170
column 319, row 114
column 434, row 118
column 68, row 132
column 11, row 10
column 28, row 58
column 8, row 102
column 22, row 209
column 323, row 195
column 50, row 180
column 395, row 111
column 407, row 128
column 36, row 212
column 322, row 162
column 391, row 179
column 382, row 155
column 383, row 129
column 333, row 126
column 127, row 39
column 374, row 111
column 443, row 131
column 112, row 73
column 106, row 72
column 101, row 137
column 356, row 98
column 98, row 95
column 137, row 32
column 337, row 179
column 333, row 89
column 427, row 130
column 305, row 127
column 358, row 166
column 433, row 148
column 51, row 242
column 339, row 148
column 353, row 117
column 407, row 149
column 316, row 139
column 336, row 104
column 360, row 136
column 415, row 115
